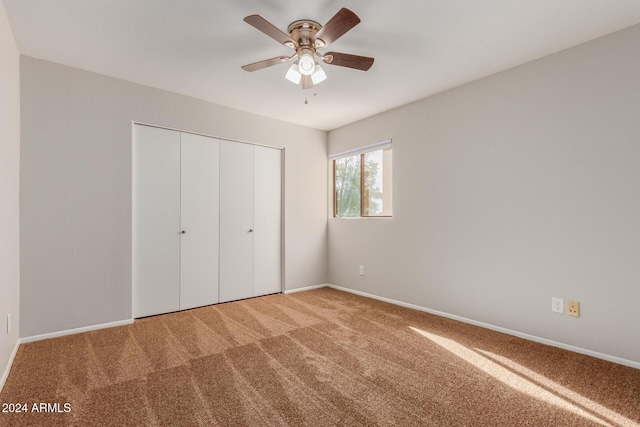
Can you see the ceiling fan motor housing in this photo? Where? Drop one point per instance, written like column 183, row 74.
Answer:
column 303, row 32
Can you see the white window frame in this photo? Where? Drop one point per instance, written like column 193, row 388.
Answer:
column 382, row 145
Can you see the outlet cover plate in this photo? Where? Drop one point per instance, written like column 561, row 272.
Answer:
column 557, row 305
column 573, row 308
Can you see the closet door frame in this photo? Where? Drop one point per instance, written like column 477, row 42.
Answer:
column 220, row 138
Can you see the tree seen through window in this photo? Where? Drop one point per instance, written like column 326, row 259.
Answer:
column 361, row 183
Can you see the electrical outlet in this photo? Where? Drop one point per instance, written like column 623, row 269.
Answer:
column 573, row 308
column 9, row 323
column 362, row 270
column 557, row 305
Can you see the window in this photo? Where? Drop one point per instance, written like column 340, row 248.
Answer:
column 362, row 182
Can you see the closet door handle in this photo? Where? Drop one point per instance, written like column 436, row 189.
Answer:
column 183, row 232
column 251, row 230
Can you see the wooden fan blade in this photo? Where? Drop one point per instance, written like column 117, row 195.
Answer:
column 307, row 83
column 266, row 63
column 269, row 29
column 341, row 22
column 347, row 60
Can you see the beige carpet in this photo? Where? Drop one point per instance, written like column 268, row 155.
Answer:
column 316, row 358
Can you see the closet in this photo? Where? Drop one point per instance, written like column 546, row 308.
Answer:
column 207, row 220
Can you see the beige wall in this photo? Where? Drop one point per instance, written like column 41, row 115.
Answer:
column 511, row 190
column 76, row 190
column 9, row 191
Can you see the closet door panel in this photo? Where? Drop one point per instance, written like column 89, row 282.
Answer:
column 200, row 186
column 156, row 221
column 236, row 221
column 267, row 220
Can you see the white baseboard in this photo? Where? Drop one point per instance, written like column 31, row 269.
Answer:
column 74, row 331
column 534, row 338
column 5, row 375
column 307, row 288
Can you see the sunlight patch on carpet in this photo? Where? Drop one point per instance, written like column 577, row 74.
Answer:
column 532, row 384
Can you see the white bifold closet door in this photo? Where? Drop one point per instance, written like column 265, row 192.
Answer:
column 267, row 222
column 199, row 191
column 175, row 221
column 156, row 221
column 236, row 221
column 250, row 221
column 207, row 221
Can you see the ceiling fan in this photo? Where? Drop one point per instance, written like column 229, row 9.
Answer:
column 305, row 37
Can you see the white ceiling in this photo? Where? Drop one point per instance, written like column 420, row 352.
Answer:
column 196, row 47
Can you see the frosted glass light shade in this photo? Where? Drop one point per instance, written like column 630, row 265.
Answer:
column 293, row 75
column 306, row 64
column 318, row 75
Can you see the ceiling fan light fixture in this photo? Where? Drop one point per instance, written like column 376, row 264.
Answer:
column 306, row 37
column 293, row 74
column 318, row 75
column 306, row 64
